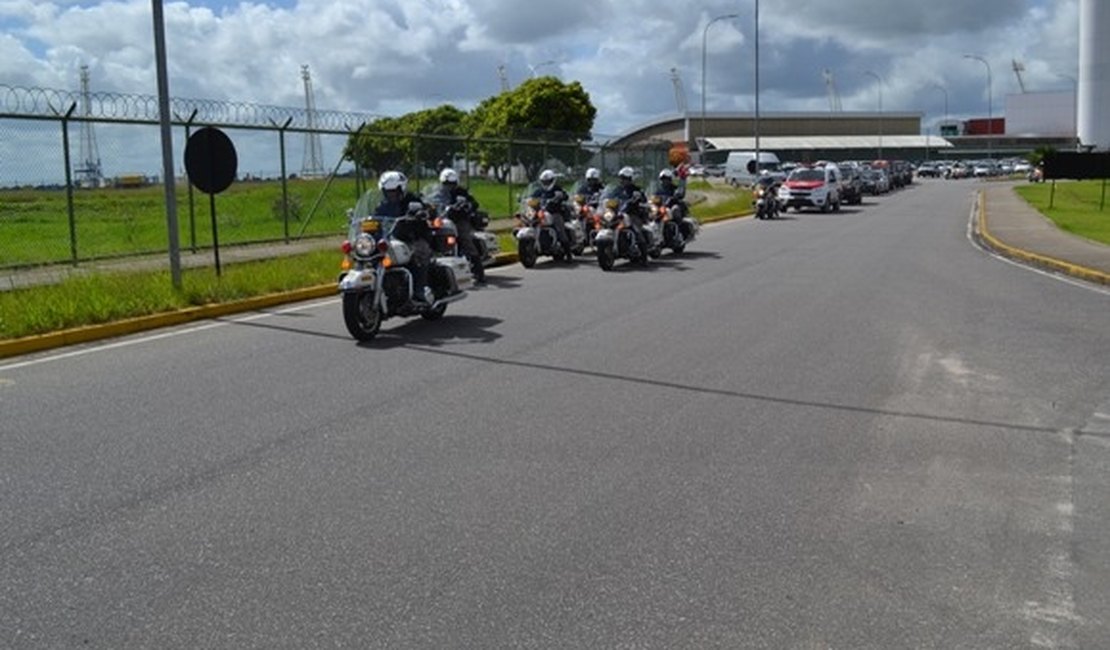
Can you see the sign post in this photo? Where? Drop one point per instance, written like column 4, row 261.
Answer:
column 211, row 163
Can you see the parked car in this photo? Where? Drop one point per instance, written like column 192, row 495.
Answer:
column 875, row 181
column 851, row 187
column 983, row 169
column 928, row 170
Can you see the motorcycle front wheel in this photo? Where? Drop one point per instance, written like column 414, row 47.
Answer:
column 528, row 254
column 361, row 315
column 606, row 257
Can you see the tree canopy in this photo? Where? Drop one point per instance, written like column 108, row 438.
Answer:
column 428, row 136
column 541, row 110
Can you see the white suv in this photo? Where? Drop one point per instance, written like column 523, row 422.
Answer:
column 812, row 187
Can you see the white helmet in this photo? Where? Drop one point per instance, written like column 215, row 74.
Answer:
column 547, row 178
column 593, row 173
column 666, row 173
column 392, row 181
column 626, row 172
column 448, row 175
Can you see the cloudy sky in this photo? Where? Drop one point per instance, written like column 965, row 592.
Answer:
column 389, row 57
column 392, row 57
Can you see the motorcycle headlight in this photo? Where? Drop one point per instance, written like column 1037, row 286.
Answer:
column 364, row 246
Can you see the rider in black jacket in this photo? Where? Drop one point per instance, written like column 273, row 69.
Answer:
column 451, row 193
column 632, row 196
column 397, row 201
column 549, row 190
column 591, row 187
column 674, row 197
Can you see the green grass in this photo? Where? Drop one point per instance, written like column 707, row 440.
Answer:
column 35, row 224
column 107, row 297
column 1075, row 207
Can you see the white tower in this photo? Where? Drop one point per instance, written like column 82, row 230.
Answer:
column 1094, row 74
column 88, row 174
column 679, row 91
column 313, row 164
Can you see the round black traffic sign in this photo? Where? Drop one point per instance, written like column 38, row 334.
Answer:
column 210, row 160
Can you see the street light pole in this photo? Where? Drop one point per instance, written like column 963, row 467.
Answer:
column 880, row 80
column 990, row 101
column 704, row 34
column 758, row 161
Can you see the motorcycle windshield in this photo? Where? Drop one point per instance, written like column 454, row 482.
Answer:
column 611, row 198
column 438, row 196
column 526, row 195
column 364, row 210
column 656, row 189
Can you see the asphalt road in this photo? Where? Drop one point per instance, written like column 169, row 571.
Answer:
column 849, row 430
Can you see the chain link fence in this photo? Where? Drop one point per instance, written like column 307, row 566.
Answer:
column 80, row 173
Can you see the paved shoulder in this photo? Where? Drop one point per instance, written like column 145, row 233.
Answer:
column 1013, row 228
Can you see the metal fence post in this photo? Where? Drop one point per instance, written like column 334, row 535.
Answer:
column 284, row 176
column 189, row 191
column 69, row 182
column 509, row 175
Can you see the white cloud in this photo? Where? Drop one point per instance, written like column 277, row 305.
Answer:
column 382, row 56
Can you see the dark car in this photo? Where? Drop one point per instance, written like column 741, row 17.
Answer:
column 851, row 188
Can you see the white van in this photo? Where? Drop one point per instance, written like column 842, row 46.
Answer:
column 736, row 167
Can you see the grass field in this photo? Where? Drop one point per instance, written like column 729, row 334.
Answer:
column 105, row 297
column 1075, row 207
column 35, row 227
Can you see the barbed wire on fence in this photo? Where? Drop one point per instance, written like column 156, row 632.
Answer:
column 52, row 103
column 109, row 106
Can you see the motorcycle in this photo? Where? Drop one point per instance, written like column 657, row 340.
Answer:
column 589, row 216
column 376, row 283
column 485, row 243
column 765, row 198
column 537, row 235
column 675, row 227
column 616, row 237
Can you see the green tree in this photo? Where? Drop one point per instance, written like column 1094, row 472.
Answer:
column 429, row 137
column 540, row 110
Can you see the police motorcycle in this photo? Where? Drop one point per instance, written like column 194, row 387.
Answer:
column 588, row 213
column 537, row 235
column 616, row 238
column 485, row 242
column 671, row 216
column 765, row 197
column 376, row 283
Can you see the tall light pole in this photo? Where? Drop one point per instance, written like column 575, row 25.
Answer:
column 758, row 162
column 880, row 80
column 990, row 103
column 704, row 34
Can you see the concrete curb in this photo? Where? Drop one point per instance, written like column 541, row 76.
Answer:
column 38, row 343
column 1046, row 262
column 25, row 345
